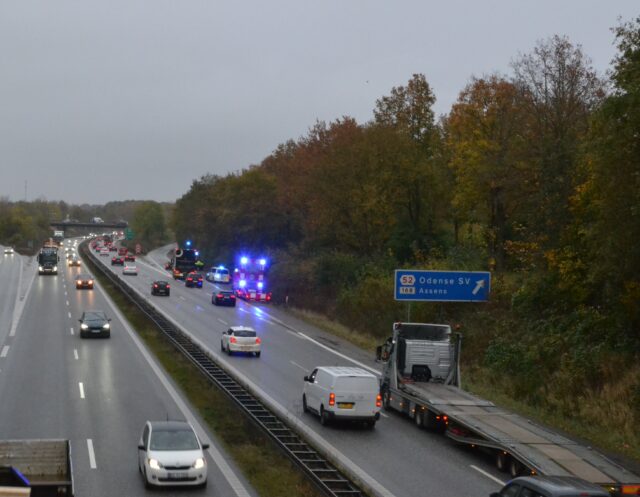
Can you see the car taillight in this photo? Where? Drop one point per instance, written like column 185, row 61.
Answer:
column 258, row 341
column 233, row 297
column 168, row 286
column 332, row 399
column 233, row 340
column 155, row 286
column 219, row 296
column 378, row 400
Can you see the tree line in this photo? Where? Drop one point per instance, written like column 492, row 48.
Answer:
column 534, row 175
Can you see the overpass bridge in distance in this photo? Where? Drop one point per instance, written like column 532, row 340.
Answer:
column 64, row 225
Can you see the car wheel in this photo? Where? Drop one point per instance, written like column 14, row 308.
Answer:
column 371, row 424
column 229, row 351
column 83, row 334
column 257, row 354
column 147, row 483
column 515, row 468
column 305, row 408
column 221, row 346
column 386, row 400
column 417, row 418
column 324, row 417
column 108, row 334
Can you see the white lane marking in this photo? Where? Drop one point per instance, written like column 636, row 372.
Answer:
column 488, row 475
column 67, row 302
column 69, row 315
column 182, row 298
column 384, row 415
column 71, row 330
column 216, row 455
column 18, row 307
column 75, row 354
column 92, row 454
column 362, row 365
column 65, row 293
column 5, row 351
column 81, row 390
column 223, row 321
column 298, row 365
column 241, row 309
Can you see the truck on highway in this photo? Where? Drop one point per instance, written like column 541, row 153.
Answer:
column 41, row 468
column 183, row 261
column 249, row 279
column 48, row 259
column 421, row 379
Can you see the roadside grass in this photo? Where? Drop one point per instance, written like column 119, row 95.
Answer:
column 358, row 338
column 268, row 470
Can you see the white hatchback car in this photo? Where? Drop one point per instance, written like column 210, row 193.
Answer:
column 130, row 269
column 241, row 339
column 169, row 453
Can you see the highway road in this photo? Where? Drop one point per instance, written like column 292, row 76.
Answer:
column 400, row 459
column 95, row 392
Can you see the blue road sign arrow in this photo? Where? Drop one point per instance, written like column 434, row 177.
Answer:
column 442, row 286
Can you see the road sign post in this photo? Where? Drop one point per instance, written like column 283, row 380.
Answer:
column 138, row 249
column 442, row 286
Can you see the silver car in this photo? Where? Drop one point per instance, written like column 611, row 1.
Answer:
column 169, row 453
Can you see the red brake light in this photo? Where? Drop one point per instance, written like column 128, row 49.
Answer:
column 332, row 399
column 258, row 340
column 233, row 340
column 168, row 286
column 378, row 400
column 155, row 286
column 233, row 296
column 219, row 296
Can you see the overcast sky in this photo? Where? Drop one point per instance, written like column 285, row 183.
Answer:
column 114, row 100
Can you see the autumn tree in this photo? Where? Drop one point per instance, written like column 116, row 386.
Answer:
column 559, row 90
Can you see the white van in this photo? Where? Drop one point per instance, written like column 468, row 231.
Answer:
column 335, row 392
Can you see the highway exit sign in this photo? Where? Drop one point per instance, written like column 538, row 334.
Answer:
column 442, row 286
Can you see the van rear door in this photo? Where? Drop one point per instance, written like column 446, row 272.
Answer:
column 356, row 394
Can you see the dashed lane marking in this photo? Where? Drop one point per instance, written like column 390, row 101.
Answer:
column 69, row 315
column 223, row 321
column 92, row 454
column 75, row 354
column 5, row 351
column 298, row 365
column 71, row 330
column 488, row 475
column 81, row 390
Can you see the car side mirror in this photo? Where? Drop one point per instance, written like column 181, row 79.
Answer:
column 306, row 378
column 205, row 446
column 141, row 447
column 109, row 319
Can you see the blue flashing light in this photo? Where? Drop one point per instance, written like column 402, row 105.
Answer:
column 197, row 253
column 260, row 285
column 244, row 260
column 188, row 243
column 263, row 262
column 243, row 283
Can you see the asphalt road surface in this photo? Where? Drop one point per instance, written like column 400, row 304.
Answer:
column 97, row 393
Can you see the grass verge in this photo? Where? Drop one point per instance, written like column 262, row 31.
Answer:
column 268, row 470
column 358, row 338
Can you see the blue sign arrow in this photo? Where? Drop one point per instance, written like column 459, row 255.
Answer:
column 442, row 286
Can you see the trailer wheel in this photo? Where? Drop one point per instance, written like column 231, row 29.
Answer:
column 502, row 461
column 324, row 417
column 304, row 404
column 418, row 418
column 386, row 400
column 515, row 468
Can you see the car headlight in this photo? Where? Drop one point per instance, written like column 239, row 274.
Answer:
column 154, row 464
column 199, row 463
column 106, row 326
column 84, row 327
column 55, row 268
column 40, row 268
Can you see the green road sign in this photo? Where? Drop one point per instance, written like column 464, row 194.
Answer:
column 128, row 234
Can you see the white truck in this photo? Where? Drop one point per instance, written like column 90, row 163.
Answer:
column 421, row 378
column 36, row 467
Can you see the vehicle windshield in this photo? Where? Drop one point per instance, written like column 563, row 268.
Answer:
column 173, row 440
column 95, row 316
column 83, row 277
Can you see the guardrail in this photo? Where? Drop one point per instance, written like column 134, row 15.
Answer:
column 330, row 480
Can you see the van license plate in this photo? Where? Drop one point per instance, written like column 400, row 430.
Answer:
column 345, row 405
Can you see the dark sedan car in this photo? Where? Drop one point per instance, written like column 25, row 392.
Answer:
column 193, row 279
column 117, row 261
column 160, row 288
column 84, row 281
column 224, row 298
column 94, row 323
column 130, row 257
